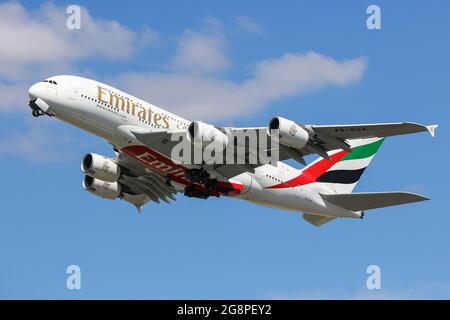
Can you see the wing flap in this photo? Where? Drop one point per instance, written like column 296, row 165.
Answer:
column 138, row 200
column 372, row 200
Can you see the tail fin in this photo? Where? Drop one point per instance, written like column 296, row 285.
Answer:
column 344, row 169
column 341, row 174
column 345, row 173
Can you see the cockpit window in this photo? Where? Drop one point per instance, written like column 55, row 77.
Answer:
column 50, row 81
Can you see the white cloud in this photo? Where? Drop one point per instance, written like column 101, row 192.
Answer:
column 148, row 36
column 13, row 97
column 37, row 142
column 40, row 37
column 194, row 85
column 36, row 43
column 248, row 25
column 202, row 52
column 212, row 97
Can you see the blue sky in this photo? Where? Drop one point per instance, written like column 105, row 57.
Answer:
column 225, row 248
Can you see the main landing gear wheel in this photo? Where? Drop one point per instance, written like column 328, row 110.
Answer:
column 203, row 177
column 197, row 175
column 37, row 113
column 191, row 191
column 212, row 185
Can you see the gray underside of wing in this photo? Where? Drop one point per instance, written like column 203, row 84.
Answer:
column 161, row 141
column 143, row 184
column 360, row 131
column 164, row 144
column 324, row 138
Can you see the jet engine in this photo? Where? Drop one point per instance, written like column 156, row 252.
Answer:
column 101, row 188
column 290, row 133
column 204, row 133
column 100, row 167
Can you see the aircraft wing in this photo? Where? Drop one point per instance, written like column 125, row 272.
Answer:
column 322, row 139
column 141, row 184
column 358, row 131
column 162, row 141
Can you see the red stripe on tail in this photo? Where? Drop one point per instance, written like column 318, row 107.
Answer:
column 311, row 173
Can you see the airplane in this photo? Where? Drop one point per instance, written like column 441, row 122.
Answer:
column 144, row 169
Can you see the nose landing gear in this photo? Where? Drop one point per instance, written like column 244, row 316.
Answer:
column 36, row 110
column 37, row 113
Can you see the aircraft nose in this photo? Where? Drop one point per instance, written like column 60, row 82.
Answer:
column 37, row 104
column 34, row 91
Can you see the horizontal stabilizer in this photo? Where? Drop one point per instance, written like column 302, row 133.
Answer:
column 317, row 220
column 371, row 200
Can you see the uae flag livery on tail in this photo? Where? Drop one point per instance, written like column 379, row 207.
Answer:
column 349, row 169
column 343, row 170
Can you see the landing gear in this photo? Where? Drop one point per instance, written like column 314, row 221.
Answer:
column 192, row 192
column 200, row 176
column 212, row 185
column 37, row 113
column 197, row 175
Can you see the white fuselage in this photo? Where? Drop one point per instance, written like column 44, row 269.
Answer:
column 109, row 113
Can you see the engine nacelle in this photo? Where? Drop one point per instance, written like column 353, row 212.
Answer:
column 204, row 133
column 100, row 167
column 290, row 133
column 101, row 188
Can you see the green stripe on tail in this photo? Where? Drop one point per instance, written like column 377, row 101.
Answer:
column 364, row 151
